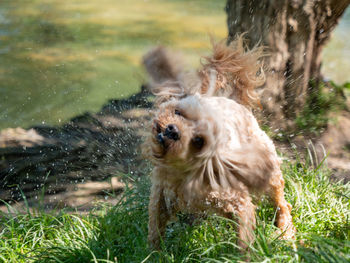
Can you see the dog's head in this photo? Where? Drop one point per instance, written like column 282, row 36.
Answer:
column 189, row 136
column 183, row 132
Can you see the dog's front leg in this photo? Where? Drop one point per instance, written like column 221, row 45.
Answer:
column 158, row 216
column 246, row 224
column 244, row 212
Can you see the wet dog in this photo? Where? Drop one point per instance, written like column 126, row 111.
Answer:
column 208, row 151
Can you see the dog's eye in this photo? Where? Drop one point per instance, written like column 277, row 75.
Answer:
column 198, row 142
column 177, row 112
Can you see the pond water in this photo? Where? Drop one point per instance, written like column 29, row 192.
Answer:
column 60, row 58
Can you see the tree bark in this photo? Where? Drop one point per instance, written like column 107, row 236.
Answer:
column 294, row 32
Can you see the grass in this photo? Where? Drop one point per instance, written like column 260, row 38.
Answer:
column 321, row 108
column 321, row 213
column 329, row 98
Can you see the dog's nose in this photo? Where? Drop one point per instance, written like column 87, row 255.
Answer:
column 172, row 132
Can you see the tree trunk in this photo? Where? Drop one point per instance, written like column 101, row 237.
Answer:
column 294, row 33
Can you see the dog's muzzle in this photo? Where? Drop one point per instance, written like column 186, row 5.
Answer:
column 171, row 132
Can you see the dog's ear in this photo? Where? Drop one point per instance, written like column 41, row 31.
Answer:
column 253, row 165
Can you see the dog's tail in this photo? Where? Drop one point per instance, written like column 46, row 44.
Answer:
column 166, row 70
column 162, row 65
column 232, row 71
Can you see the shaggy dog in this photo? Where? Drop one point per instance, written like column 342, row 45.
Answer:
column 207, row 148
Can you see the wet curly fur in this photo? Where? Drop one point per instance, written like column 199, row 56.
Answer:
column 208, row 151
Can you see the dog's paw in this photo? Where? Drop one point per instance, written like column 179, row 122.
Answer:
column 154, row 242
column 288, row 232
